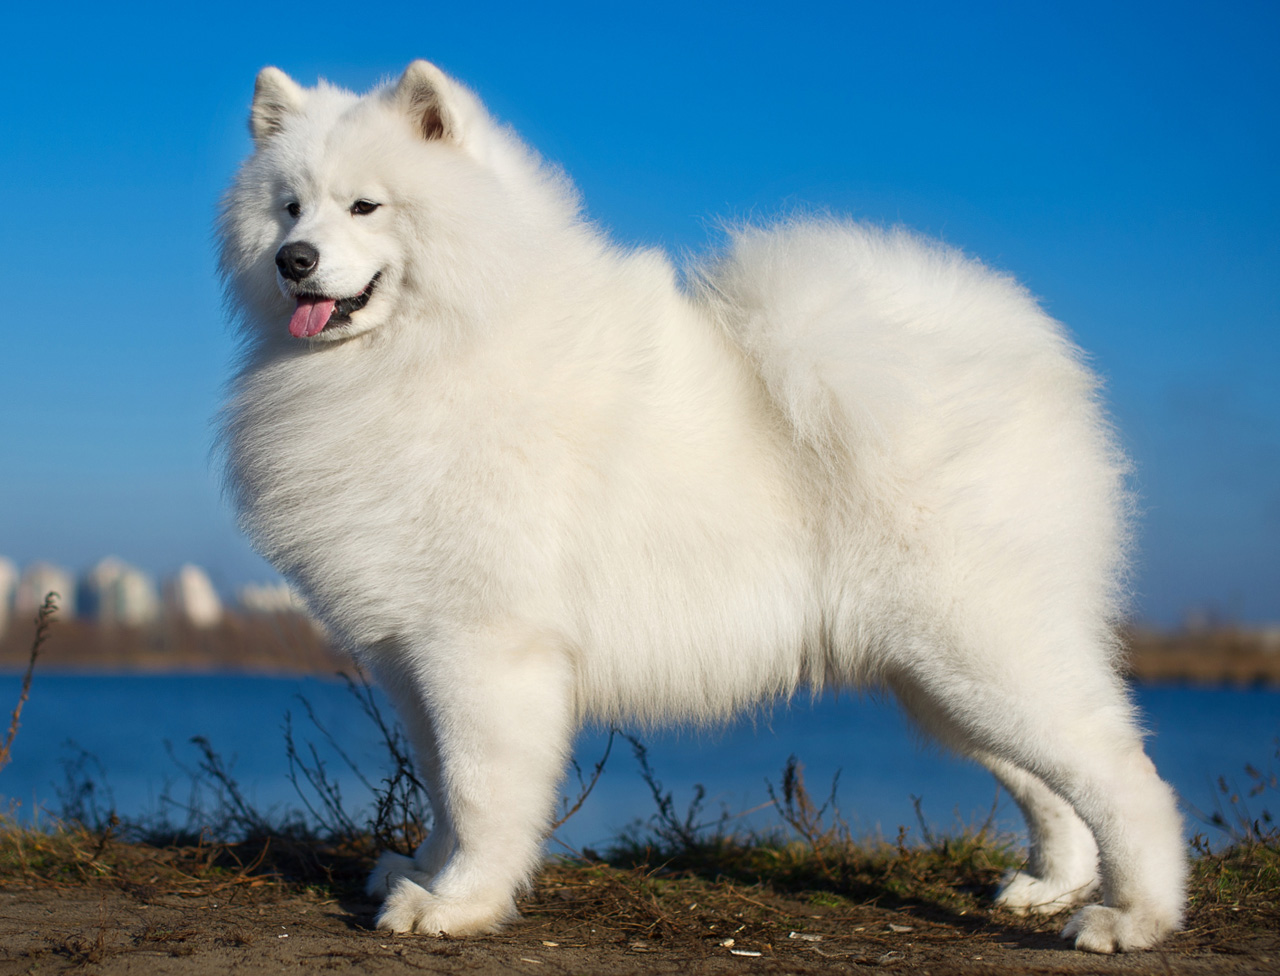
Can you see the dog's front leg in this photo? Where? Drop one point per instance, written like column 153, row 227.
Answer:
column 500, row 706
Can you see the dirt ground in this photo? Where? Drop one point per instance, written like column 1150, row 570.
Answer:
column 598, row 923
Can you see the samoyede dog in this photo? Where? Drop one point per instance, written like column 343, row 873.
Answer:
column 532, row 479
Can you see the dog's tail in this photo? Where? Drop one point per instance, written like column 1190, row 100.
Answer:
column 931, row 373
column 853, row 327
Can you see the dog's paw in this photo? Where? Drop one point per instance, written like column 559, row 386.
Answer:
column 389, row 867
column 1099, row 928
column 411, row 908
column 1025, row 893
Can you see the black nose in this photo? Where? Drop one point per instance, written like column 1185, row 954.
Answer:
column 297, row 260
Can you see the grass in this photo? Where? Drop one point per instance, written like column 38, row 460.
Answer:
column 812, row 853
column 654, row 894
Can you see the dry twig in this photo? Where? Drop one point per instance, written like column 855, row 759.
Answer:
column 44, row 620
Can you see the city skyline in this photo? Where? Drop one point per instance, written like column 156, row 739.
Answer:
column 113, row 591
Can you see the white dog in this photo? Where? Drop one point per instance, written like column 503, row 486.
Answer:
column 532, row 480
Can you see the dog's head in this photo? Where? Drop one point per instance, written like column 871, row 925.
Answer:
column 351, row 205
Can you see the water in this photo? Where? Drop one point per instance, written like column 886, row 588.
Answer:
column 131, row 734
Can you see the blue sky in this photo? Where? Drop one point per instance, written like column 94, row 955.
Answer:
column 1119, row 158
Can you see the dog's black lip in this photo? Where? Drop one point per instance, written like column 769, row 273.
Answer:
column 344, row 308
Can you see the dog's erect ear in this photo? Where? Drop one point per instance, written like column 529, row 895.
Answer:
column 423, row 94
column 275, row 97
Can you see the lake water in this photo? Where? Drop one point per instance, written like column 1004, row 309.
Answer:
column 131, row 734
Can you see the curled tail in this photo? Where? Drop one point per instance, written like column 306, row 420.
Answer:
column 942, row 384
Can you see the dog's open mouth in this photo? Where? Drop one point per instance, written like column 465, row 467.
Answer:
column 315, row 313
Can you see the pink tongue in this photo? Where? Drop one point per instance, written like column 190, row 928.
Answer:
column 311, row 315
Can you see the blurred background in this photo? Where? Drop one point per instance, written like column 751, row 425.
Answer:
column 1120, row 159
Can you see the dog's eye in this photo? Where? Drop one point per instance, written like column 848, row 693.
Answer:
column 293, row 209
column 364, row 207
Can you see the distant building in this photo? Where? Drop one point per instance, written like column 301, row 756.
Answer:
column 38, row 580
column 190, row 596
column 8, row 583
column 270, row 598
column 113, row 592
column 136, row 601
column 94, row 587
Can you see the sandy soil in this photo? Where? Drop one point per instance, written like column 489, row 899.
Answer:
column 570, row 926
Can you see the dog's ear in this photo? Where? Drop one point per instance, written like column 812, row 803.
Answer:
column 423, row 93
column 275, row 97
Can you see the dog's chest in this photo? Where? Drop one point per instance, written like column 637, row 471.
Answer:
column 428, row 466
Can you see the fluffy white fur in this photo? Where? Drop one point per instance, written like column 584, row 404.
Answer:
column 538, row 481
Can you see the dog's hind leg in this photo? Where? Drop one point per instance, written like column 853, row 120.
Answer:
column 1062, row 863
column 1067, row 723
column 501, row 708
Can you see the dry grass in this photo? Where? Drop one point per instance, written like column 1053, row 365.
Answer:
column 44, row 620
column 688, row 902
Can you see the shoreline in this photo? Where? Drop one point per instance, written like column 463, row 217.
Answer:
column 1164, row 678
column 288, row 645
